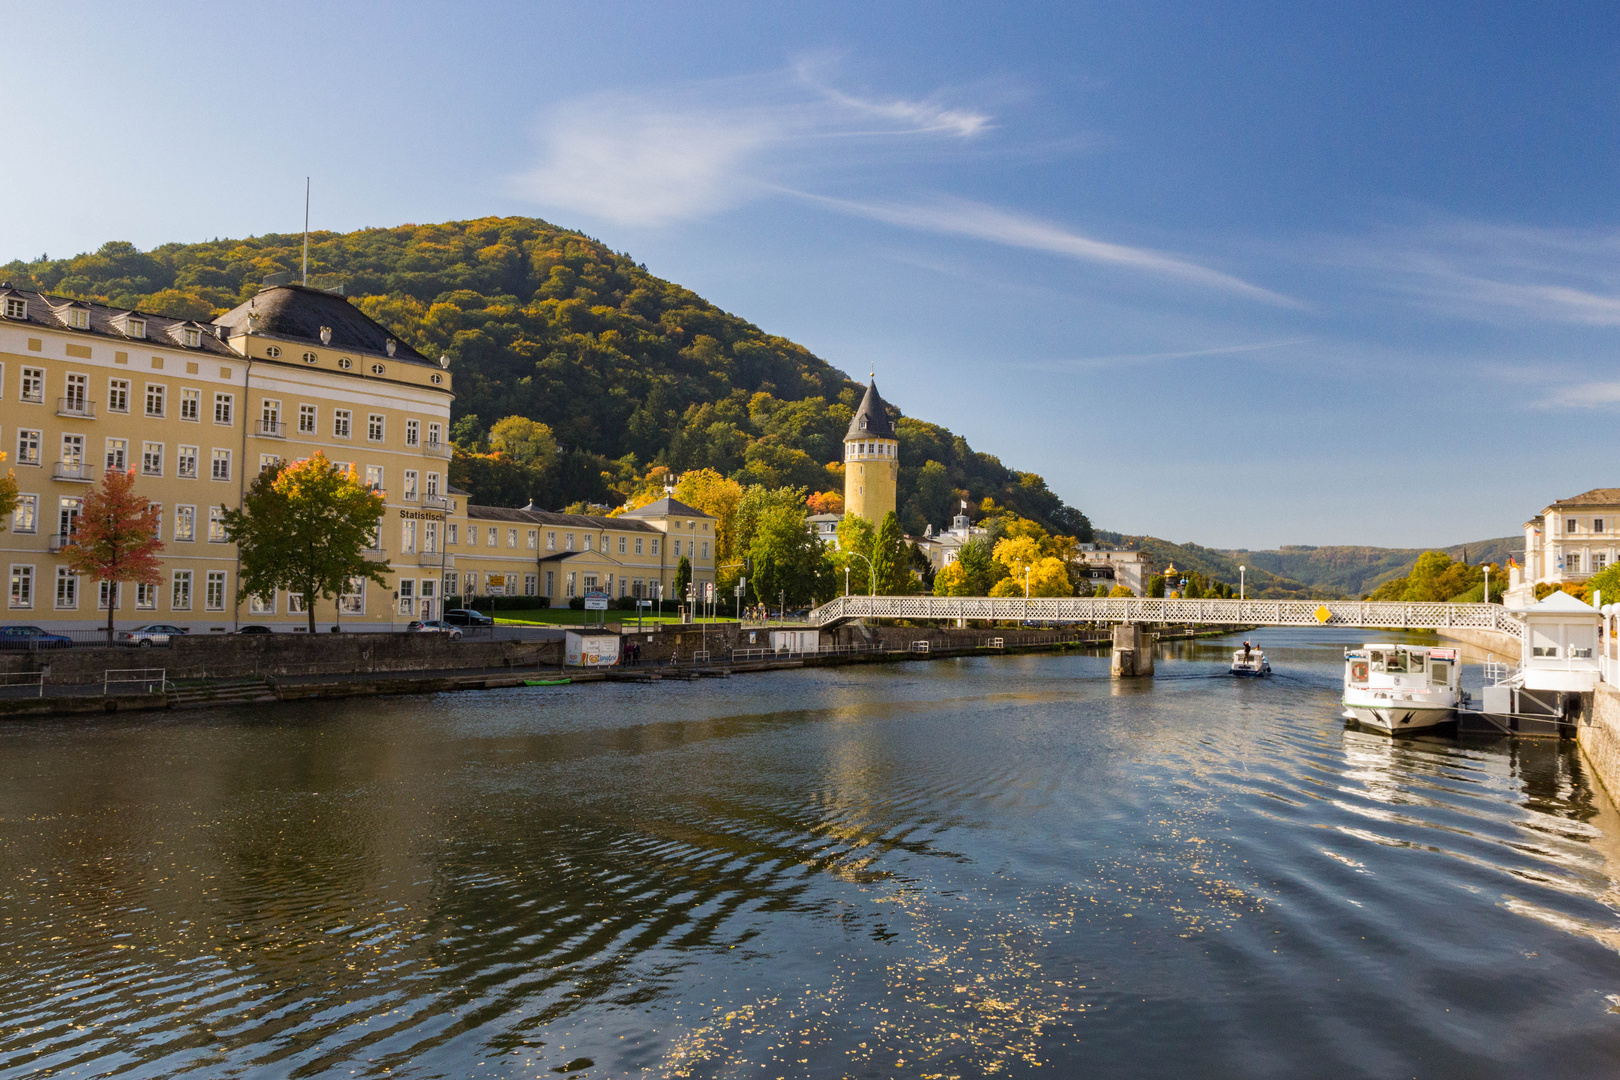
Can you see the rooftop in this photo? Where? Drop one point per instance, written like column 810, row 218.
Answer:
column 1595, row 497
column 50, row 312
column 299, row 313
column 588, row 522
column 871, row 419
column 665, row 507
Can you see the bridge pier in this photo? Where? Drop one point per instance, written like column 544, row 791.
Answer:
column 1133, row 651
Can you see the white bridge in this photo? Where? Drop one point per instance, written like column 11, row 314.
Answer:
column 1383, row 614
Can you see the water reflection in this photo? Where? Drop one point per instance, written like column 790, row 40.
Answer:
column 954, row 869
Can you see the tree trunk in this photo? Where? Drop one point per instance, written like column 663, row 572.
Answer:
column 112, row 606
column 309, row 604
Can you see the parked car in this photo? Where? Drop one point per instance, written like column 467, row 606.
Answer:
column 155, row 634
column 434, row 626
column 463, row 617
column 255, row 629
column 31, row 637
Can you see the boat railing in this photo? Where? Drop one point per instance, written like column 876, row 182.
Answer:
column 1500, row 672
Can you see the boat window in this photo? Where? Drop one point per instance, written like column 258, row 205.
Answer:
column 1417, row 659
column 1377, row 661
column 1396, row 663
column 1440, row 673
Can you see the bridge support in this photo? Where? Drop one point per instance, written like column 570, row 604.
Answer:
column 1133, row 652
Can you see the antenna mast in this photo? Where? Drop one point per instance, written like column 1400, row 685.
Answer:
column 306, row 230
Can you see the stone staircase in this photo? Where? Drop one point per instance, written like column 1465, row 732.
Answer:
column 221, row 692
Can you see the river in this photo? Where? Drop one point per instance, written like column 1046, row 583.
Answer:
column 1005, row 866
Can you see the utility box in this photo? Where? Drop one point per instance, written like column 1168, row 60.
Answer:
column 591, row 650
column 1559, row 645
column 796, row 641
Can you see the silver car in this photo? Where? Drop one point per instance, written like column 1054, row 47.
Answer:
column 154, row 634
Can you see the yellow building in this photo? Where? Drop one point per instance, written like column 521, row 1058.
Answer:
column 871, row 460
column 198, row 408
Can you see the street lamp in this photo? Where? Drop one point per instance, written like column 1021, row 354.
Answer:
column 869, row 566
column 1241, row 571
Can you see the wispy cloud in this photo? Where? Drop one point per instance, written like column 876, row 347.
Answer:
column 1130, row 359
column 1499, row 273
column 960, row 217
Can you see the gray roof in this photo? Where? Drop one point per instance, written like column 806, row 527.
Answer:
column 871, row 420
column 552, row 517
column 50, row 312
column 665, row 507
column 297, row 313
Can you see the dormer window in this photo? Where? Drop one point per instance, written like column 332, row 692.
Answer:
column 190, row 337
column 272, row 351
column 16, row 307
column 133, row 327
column 78, row 318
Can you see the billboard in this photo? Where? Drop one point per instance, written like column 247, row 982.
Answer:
column 591, row 650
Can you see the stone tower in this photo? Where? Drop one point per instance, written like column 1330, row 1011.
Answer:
column 871, row 460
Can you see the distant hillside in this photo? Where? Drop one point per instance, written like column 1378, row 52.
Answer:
column 1298, row 570
column 628, row 370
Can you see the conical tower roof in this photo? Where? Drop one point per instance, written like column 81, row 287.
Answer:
column 871, row 420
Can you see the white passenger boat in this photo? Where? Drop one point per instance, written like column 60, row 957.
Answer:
column 1401, row 688
column 1250, row 664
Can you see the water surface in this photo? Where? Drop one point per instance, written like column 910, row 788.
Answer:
column 998, row 866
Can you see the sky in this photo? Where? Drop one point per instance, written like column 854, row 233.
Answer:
column 1237, row 274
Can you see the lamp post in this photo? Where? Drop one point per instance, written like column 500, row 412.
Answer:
column 1241, row 571
column 1487, row 594
column 869, row 567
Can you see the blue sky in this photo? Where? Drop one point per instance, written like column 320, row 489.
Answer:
column 1240, row 274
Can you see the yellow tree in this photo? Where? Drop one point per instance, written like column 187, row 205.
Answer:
column 1027, row 564
column 713, row 494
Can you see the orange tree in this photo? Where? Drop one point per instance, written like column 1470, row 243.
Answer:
column 116, row 538
column 305, row 528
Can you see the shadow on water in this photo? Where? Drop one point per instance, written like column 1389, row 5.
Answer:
column 969, row 867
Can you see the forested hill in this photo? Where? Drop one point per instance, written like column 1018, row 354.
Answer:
column 628, row 370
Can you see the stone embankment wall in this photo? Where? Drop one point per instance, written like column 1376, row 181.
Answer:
column 938, row 637
column 1503, row 646
column 288, row 655
column 1599, row 736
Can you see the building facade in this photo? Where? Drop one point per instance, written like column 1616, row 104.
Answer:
column 198, row 409
column 871, row 460
column 1570, row 540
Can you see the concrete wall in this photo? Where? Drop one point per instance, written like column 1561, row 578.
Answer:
column 1599, row 735
column 250, row 655
column 1503, row 646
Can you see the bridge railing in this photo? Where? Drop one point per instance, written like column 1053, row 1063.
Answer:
column 1382, row 614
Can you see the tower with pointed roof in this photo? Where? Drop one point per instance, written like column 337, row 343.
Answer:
column 871, row 459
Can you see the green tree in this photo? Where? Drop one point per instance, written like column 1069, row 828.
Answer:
column 116, row 538
column 787, row 558
column 1155, row 586
column 683, row 578
column 305, row 527
column 891, row 561
column 525, row 441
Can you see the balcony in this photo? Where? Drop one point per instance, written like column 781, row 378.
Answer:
column 435, row 502
column 433, row 558
column 76, row 471
column 60, row 541
column 77, row 407
column 270, row 429
column 435, row 449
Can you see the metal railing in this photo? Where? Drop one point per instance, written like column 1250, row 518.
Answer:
column 271, row 429
column 76, row 407
column 74, row 470
column 435, row 502
column 23, row 680
column 1360, row 613
column 920, row 646
column 435, row 449
column 152, row 680
column 60, row 541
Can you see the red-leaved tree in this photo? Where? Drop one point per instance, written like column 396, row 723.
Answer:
column 116, row 538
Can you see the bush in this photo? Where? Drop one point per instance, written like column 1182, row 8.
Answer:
column 498, row 603
column 576, row 603
column 625, row 603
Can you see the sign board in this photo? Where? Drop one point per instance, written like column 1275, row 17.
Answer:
column 708, row 590
column 591, row 650
column 643, row 603
column 596, row 601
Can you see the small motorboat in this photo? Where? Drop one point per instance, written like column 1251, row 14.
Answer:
column 1401, row 688
column 1250, row 663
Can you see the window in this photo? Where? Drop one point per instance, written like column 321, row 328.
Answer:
column 1599, row 561
column 677, row 551
column 107, row 592
column 551, row 541
column 185, row 462
column 407, row 537
column 78, row 318
column 221, row 468
column 410, row 485
column 216, row 524
column 311, row 358
column 1569, row 525
column 67, row 588
column 33, row 384
column 621, row 545
column 214, row 599
column 534, row 542
column 151, row 459
column 432, row 483
column 223, row 403
column 155, row 399
column 374, row 477
column 22, row 586
column 430, row 537
column 190, row 337
column 28, row 447
column 118, row 395
column 1597, row 525
column 705, row 549
column 655, row 545
column 407, row 596
column 306, row 419
column 117, row 454
column 78, row 394
column 73, row 450
column 433, row 436
column 589, row 583
column 270, row 417
column 413, row 432
column 145, row 597
column 531, row 583
column 190, row 403
column 551, row 582
column 295, row 603
column 572, row 590
column 472, row 535
column 268, row 461
column 493, row 537
column 180, row 596
column 135, row 328
column 67, row 516
column 1572, row 562
column 24, row 519
column 341, row 419
column 16, row 308
column 638, row 545
column 185, row 523
column 272, row 351
column 374, row 427
column 450, row 532
column 353, row 600
column 157, row 519
column 511, row 538
column 589, row 539
column 345, row 363
column 262, row 605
